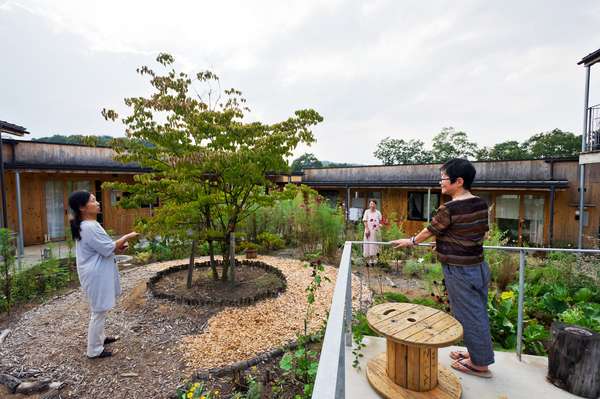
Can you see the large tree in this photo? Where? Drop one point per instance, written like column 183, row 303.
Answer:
column 553, row 144
column 208, row 167
column 305, row 161
column 399, row 152
column 508, row 150
column 450, row 143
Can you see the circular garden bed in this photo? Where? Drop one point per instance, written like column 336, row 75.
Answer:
column 255, row 281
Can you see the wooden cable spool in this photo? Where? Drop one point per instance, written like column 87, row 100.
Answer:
column 409, row 368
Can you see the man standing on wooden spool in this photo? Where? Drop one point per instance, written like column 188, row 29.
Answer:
column 459, row 227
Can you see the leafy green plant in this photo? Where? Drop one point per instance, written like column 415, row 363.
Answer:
column 584, row 315
column 534, row 334
column 270, row 241
column 412, row 268
column 7, row 251
column 502, row 312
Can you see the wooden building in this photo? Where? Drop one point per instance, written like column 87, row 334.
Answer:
column 47, row 173
column 535, row 201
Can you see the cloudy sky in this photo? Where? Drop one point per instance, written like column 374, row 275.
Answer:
column 497, row 70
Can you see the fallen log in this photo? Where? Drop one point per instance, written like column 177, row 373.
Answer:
column 574, row 360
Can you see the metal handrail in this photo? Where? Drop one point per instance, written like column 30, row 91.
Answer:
column 331, row 379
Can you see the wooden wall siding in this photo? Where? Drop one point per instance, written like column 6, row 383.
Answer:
column 60, row 155
column 120, row 221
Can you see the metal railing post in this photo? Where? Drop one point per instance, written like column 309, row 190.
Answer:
column 520, row 304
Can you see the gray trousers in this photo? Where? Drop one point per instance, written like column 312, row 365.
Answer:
column 468, row 293
column 95, row 344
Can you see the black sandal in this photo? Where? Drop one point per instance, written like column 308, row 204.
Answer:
column 104, row 353
column 110, row 340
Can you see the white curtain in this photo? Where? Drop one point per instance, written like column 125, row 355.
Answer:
column 534, row 213
column 507, row 206
column 55, row 209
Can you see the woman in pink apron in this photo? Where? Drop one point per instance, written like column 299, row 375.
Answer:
column 372, row 221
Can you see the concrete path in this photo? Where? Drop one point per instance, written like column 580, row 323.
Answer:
column 512, row 379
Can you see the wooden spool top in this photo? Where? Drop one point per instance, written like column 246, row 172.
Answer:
column 414, row 325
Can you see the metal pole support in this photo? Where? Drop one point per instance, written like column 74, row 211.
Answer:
column 520, row 304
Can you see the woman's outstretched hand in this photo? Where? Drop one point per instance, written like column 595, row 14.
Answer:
column 121, row 244
column 402, row 243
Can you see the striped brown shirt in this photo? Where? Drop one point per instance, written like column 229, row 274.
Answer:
column 459, row 228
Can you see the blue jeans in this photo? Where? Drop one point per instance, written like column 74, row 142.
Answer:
column 468, row 293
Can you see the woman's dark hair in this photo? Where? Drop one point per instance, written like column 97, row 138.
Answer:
column 372, row 200
column 77, row 200
column 459, row 167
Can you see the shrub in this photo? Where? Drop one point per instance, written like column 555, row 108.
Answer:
column 412, row 268
column 270, row 241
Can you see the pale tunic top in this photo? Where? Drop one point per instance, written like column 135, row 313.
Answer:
column 373, row 220
column 96, row 267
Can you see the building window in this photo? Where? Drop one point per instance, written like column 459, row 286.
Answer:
column 507, row 216
column 417, row 205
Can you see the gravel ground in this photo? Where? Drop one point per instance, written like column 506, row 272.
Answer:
column 162, row 343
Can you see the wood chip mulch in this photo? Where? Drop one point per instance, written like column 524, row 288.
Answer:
column 236, row 334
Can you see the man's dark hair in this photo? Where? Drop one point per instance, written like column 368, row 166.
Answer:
column 459, row 167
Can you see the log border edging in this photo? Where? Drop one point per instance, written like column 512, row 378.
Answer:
column 273, row 293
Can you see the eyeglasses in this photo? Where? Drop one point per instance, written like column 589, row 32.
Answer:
column 444, row 178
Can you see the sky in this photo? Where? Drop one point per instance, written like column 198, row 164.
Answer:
column 502, row 70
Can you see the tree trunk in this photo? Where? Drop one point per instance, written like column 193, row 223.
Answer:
column 211, row 249
column 225, row 248
column 232, row 258
column 213, row 266
column 574, row 360
column 191, row 264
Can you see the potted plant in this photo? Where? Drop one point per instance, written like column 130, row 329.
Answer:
column 251, row 249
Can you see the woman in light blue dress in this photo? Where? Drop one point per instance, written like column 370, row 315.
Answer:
column 96, row 267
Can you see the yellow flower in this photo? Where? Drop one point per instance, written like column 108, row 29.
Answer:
column 507, row 295
column 189, row 395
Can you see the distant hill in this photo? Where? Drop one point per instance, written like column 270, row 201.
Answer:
column 100, row 141
column 329, row 164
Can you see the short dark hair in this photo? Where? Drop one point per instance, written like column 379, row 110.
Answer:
column 459, row 167
column 372, row 200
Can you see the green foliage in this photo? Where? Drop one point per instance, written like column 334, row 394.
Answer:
column 450, row 143
column 305, row 161
column 553, row 144
column 7, row 252
column 303, row 218
column 412, row 268
column 395, row 297
column 584, row 315
column 94, row 140
column 399, row 152
column 508, row 150
column 502, row 313
column 195, row 390
column 534, row 334
column 39, row 281
column 270, row 241
column 208, row 167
